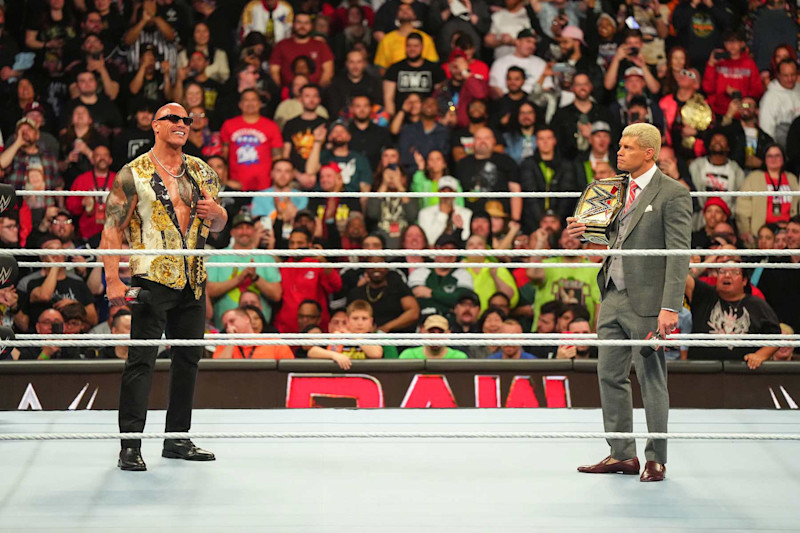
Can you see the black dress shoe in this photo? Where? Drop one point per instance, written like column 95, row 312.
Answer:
column 185, row 449
column 131, row 459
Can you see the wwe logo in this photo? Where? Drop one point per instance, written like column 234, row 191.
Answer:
column 5, row 275
column 599, row 202
column 5, row 201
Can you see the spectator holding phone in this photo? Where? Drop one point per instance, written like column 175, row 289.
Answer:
column 731, row 74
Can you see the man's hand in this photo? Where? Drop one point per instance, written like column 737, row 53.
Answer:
column 754, row 360
column 208, row 208
column 343, row 361
column 667, row 322
column 575, row 228
column 422, row 292
column 566, row 352
column 320, row 133
column 115, row 290
column 165, row 66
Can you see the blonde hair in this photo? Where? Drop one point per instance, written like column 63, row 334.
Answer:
column 646, row 135
column 358, row 305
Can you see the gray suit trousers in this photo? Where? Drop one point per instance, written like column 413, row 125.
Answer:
column 617, row 320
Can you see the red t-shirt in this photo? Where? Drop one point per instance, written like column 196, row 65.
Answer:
column 287, row 50
column 250, row 150
column 90, row 222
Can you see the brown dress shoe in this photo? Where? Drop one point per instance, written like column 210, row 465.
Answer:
column 628, row 467
column 653, row 471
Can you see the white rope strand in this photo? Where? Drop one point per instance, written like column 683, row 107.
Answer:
column 362, row 264
column 520, row 435
column 405, row 252
column 465, row 194
column 420, row 340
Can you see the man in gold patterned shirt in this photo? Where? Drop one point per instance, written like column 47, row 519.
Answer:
column 161, row 201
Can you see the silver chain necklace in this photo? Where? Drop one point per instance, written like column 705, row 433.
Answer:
column 183, row 168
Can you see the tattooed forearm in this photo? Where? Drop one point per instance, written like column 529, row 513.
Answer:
column 121, row 200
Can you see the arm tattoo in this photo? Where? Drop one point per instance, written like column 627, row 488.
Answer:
column 120, row 200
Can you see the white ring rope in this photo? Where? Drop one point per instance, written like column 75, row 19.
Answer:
column 356, row 264
column 409, row 194
column 447, row 336
column 403, row 435
column 406, row 252
column 420, row 339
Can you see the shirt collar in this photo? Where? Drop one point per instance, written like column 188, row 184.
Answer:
column 645, row 178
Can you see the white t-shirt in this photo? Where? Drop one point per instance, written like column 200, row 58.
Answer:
column 504, row 21
column 533, row 67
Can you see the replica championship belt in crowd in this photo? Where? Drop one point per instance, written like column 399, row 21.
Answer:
column 599, row 205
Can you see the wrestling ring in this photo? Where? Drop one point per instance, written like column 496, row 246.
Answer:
column 465, row 470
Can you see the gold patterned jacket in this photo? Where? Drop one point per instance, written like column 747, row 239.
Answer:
column 154, row 226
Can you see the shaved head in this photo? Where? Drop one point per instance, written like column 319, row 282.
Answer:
column 169, row 109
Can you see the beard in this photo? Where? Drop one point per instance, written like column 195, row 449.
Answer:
column 477, row 120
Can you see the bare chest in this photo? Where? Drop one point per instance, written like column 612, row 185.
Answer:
column 180, row 193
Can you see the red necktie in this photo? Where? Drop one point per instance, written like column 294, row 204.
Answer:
column 631, row 195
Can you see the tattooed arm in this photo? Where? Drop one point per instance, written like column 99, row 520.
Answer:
column 120, row 204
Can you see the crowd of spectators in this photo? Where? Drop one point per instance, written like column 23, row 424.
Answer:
column 394, row 96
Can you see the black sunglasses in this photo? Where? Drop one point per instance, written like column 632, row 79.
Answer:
column 177, row 118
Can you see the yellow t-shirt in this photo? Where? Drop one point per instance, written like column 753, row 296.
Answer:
column 392, row 49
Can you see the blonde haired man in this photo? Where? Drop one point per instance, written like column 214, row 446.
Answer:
column 640, row 295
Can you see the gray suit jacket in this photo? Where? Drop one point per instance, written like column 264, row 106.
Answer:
column 654, row 283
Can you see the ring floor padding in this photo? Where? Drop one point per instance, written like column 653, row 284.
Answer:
column 398, row 485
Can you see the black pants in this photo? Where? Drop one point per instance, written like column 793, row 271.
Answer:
column 181, row 316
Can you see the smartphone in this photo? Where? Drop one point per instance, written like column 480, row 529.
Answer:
column 562, row 67
column 561, row 12
column 584, row 119
column 266, row 223
column 722, row 55
column 57, row 328
column 634, row 51
column 635, row 117
column 736, row 95
column 631, row 23
column 392, row 166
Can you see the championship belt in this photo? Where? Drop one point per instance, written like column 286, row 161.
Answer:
column 599, row 205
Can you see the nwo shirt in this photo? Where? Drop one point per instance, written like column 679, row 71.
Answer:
column 420, row 80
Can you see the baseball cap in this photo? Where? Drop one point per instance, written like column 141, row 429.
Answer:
column 601, row 126
column 436, row 321
column 337, row 122
column 719, row 202
column 448, row 182
column 634, row 71
column 467, row 294
column 242, row 218
column 527, row 32
column 573, row 32
column 34, row 106
column 495, row 209
column 28, row 121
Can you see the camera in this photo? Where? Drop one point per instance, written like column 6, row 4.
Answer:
column 634, row 51
column 392, row 166
column 635, row 116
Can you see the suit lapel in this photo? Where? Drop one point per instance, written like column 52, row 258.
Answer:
column 644, row 199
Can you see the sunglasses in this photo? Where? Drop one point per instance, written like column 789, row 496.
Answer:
column 177, row 118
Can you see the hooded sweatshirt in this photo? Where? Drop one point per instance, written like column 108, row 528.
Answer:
column 741, row 74
column 778, row 108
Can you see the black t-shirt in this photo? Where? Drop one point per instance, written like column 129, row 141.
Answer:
column 103, row 112
column 130, row 144
column 781, row 288
column 370, row 142
column 211, row 91
column 712, row 314
column 67, row 288
column 385, row 301
column 486, row 175
column 300, row 134
column 506, row 106
column 409, row 79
